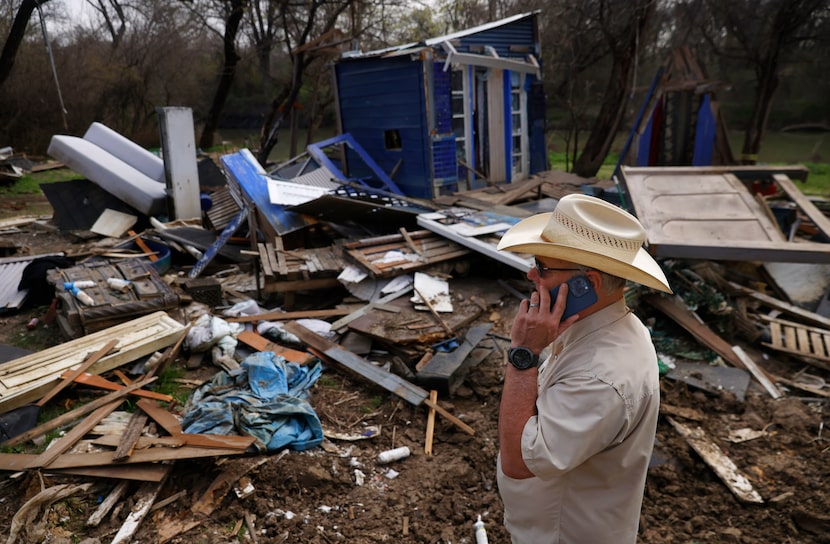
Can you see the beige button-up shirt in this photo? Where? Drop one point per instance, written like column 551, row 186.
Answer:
column 590, row 444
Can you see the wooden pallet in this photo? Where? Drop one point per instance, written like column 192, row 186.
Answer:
column 797, row 339
column 419, row 249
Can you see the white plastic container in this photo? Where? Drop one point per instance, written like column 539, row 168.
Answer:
column 396, row 454
column 118, row 284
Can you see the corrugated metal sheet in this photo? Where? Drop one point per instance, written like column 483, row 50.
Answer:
column 11, row 270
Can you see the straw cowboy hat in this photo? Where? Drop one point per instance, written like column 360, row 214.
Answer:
column 591, row 232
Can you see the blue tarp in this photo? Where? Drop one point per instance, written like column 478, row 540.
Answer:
column 265, row 399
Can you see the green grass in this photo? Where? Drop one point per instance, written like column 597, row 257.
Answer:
column 30, row 183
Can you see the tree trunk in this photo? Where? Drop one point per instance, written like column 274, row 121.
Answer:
column 228, row 72
column 280, row 107
column 16, row 35
column 608, row 121
column 768, row 82
column 624, row 45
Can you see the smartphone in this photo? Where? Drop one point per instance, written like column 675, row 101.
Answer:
column 581, row 294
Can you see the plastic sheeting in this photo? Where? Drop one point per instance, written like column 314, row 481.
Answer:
column 266, row 398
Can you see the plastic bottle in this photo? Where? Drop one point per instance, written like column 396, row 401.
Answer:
column 118, row 284
column 83, row 297
column 480, row 531
column 393, row 455
column 69, row 285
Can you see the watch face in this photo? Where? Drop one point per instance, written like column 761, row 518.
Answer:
column 522, row 358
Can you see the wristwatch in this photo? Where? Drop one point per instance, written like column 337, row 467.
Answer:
column 522, row 358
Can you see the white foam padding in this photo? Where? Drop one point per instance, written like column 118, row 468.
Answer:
column 109, row 172
column 128, row 151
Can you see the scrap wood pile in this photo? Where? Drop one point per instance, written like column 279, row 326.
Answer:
column 407, row 295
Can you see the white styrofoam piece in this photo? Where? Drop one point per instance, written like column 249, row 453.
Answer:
column 126, row 150
column 110, row 173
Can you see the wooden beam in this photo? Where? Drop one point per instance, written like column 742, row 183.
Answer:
column 72, row 415
column 713, row 456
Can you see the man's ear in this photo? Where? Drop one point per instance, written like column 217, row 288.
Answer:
column 595, row 277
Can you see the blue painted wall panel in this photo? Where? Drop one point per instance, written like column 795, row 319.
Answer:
column 378, row 95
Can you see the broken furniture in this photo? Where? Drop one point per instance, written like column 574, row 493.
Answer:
column 146, row 293
column 117, row 165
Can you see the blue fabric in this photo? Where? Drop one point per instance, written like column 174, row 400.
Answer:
column 265, row 399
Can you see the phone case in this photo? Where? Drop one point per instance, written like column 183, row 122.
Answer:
column 581, row 294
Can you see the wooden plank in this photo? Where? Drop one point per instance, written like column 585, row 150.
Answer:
column 280, row 316
column 142, row 501
column 301, row 285
column 757, row 372
column 260, row 343
column 433, row 397
column 776, row 334
column 809, row 209
column 165, row 419
column 348, row 360
column 28, row 378
column 68, row 440
column 72, row 415
column 713, row 456
column 444, row 370
column 810, row 318
column 128, row 441
column 804, row 341
column 264, row 260
column 108, row 503
column 99, row 381
column 677, row 310
column 279, row 251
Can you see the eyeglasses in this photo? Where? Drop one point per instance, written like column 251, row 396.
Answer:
column 542, row 269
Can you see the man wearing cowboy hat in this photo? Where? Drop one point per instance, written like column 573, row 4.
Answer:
column 576, row 431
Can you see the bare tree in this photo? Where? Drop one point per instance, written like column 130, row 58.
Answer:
column 235, row 12
column 620, row 24
column 760, row 34
column 305, row 29
column 16, row 34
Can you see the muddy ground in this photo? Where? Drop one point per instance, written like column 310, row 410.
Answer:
column 340, row 493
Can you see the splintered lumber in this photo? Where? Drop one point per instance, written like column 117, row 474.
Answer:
column 132, row 433
column 15, row 462
column 143, row 501
column 757, row 372
column 430, row 248
column 808, row 317
column 72, row 415
column 260, row 343
column 210, row 499
column 68, row 440
column 394, row 384
column 28, row 378
column 674, row 308
column 140, row 472
column 29, row 513
column 723, row 466
column 107, row 504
